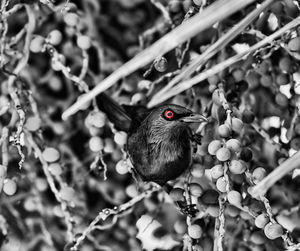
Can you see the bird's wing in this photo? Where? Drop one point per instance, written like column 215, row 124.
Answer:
column 121, row 119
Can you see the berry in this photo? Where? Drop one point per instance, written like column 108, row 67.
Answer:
column 9, row 187
column 217, row 171
column 198, row 170
column 95, row 144
column 195, row 189
column 195, row 231
column 285, row 64
column 120, row 138
column 50, row 154
column 214, row 146
column 237, row 167
column 177, row 194
column 281, row 99
column 257, row 238
column 122, row 167
column 223, row 154
column 248, row 116
column 71, row 19
column 55, row 169
column 294, row 44
column 238, row 74
column 161, row 64
column 258, row 174
column 84, row 42
column 266, row 80
column 253, row 79
column 261, row 220
column 96, row 119
column 221, row 184
column 234, row 198
column 224, row 130
column 282, row 79
column 273, row 230
column 237, row 125
column 54, row 37
column 33, row 123
column 234, row 145
column 67, row 193
column 37, row 44
column 246, row 154
column 210, row 197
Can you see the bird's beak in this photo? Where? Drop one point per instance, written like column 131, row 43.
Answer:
column 194, row 118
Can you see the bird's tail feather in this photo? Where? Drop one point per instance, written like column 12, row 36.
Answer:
column 115, row 112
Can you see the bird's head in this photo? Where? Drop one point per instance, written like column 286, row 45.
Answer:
column 166, row 119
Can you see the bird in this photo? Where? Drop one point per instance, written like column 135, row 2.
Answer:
column 159, row 140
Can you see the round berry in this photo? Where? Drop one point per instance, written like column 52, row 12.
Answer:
column 55, row 169
column 248, row 116
column 54, row 37
column 232, row 211
column 266, row 80
column 234, row 198
column 195, row 189
column 67, row 193
column 210, row 197
column 237, row 167
column 197, row 170
column 282, row 79
column 257, row 238
column 84, row 42
column 214, row 146
column 51, row 154
column 273, row 230
column 281, row 99
column 221, row 184
column 33, row 123
column 9, row 187
column 96, row 119
column 246, row 154
column 238, row 74
column 122, row 167
column 294, row 44
column 71, row 19
column 258, row 174
column 120, row 138
column 161, row 64
column 223, row 154
column 195, row 231
column 177, row 194
column 237, row 125
column 234, row 145
column 286, row 65
column 37, row 44
column 224, row 130
column 253, row 79
column 217, row 171
column 95, row 144
column 261, row 220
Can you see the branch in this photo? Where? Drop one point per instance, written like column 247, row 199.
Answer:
column 223, row 65
column 287, row 166
column 211, row 15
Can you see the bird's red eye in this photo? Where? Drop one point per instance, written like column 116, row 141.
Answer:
column 169, row 114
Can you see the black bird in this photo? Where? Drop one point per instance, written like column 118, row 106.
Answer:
column 159, row 140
